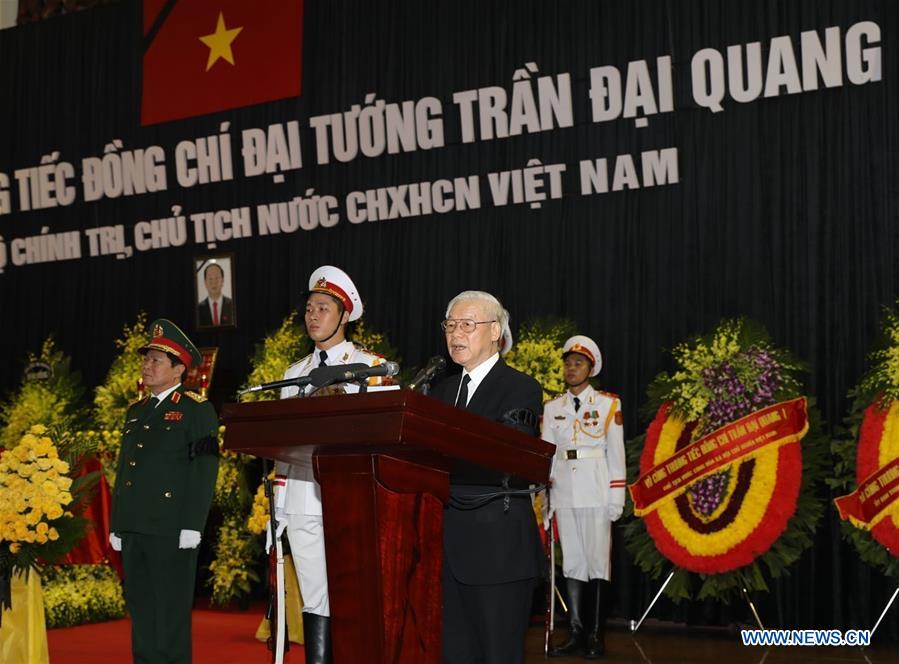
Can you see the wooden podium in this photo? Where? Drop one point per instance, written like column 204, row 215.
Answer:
column 383, row 461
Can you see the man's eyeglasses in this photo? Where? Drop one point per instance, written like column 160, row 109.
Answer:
column 465, row 324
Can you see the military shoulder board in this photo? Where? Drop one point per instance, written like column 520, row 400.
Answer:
column 196, row 397
column 363, row 349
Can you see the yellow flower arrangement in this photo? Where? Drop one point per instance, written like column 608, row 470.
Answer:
column 231, row 571
column 51, row 401
column 80, row 594
column 259, row 515
column 276, row 352
column 538, row 353
column 36, row 499
column 229, row 483
column 112, row 398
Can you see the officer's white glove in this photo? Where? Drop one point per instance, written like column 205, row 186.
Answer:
column 614, row 511
column 548, row 518
column 189, row 539
column 280, row 525
column 115, row 541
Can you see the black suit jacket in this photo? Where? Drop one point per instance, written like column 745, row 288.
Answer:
column 489, row 544
column 226, row 315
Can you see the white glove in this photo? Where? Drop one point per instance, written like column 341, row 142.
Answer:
column 115, row 541
column 280, row 525
column 614, row 511
column 189, row 539
column 548, row 518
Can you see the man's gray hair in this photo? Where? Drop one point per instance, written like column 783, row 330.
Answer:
column 494, row 310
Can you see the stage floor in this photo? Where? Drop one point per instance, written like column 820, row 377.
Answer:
column 226, row 637
column 666, row 644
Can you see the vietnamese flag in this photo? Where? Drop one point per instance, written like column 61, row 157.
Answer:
column 205, row 56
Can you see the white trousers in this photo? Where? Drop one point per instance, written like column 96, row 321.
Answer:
column 586, row 537
column 307, row 548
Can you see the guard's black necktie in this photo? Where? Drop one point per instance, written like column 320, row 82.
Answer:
column 323, row 354
column 577, row 404
column 462, row 399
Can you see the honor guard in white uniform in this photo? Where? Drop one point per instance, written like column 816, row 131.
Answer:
column 333, row 301
column 587, row 491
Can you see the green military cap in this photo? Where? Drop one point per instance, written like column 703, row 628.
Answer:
column 169, row 338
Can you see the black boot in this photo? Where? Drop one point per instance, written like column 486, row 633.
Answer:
column 317, row 635
column 596, row 637
column 575, row 643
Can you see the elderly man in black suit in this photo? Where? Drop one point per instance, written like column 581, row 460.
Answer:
column 492, row 554
column 216, row 309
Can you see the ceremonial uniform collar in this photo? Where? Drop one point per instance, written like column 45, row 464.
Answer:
column 587, row 396
column 162, row 396
column 339, row 354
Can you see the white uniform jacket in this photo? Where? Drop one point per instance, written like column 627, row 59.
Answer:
column 296, row 491
column 589, row 469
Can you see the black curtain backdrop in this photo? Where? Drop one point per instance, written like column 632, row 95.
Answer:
column 785, row 211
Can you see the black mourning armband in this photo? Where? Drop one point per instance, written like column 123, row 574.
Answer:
column 208, row 446
column 522, row 419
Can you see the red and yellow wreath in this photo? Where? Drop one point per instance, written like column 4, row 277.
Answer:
column 872, row 508
column 722, row 471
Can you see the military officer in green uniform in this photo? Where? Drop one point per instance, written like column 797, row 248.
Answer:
column 164, row 484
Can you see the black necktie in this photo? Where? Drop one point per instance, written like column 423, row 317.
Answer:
column 462, row 399
column 154, row 401
column 577, row 404
column 323, row 354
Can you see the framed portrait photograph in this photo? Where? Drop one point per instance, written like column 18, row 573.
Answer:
column 214, row 283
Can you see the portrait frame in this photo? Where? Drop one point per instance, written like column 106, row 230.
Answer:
column 199, row 378
column 205, row 279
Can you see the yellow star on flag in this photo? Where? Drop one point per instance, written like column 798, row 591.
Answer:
column 219, row 43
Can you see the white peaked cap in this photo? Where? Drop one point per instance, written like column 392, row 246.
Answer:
column 586, row 347
column 335, row 282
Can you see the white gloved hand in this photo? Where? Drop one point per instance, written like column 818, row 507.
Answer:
column 280, row 525
column 189, row 539
column 614, row 511
column 548, row 518
column 115, row 541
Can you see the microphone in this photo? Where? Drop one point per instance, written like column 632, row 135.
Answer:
column 434, row 366
column 383, row 369
column 350, row 373
column 300, row 381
